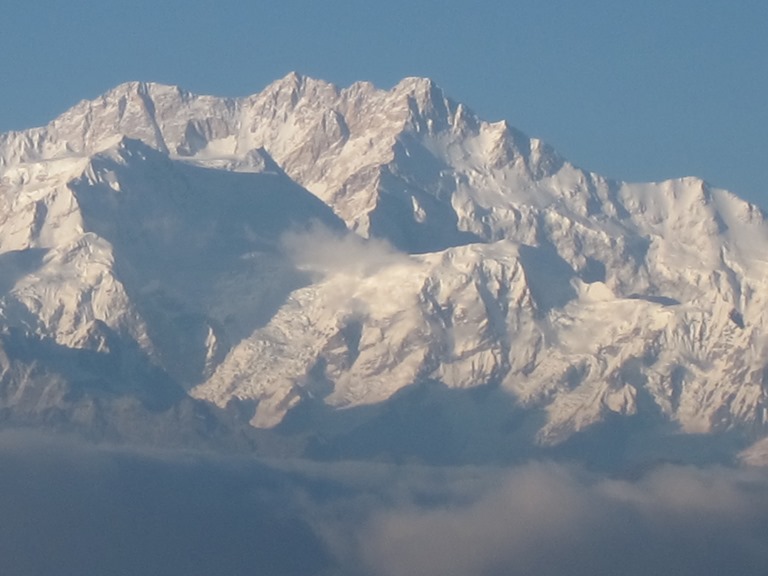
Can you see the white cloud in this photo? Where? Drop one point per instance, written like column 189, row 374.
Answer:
column 324, row 251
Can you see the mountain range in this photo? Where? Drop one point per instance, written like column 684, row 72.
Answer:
column 367, row 273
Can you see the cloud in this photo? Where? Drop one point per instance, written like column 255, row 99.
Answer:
column 547, row 519
column 68, row 510
column 324, row 251
column 73, row 509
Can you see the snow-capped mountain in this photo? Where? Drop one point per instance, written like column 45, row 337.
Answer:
column 321, row 252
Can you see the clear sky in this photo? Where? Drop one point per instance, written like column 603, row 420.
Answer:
column 632, row 89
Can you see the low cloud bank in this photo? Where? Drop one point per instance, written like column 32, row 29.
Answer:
column 67, row 509
column 547, row 519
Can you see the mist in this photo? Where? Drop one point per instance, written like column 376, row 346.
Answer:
column 321, row 251
column 73, row 509
column 548, row 519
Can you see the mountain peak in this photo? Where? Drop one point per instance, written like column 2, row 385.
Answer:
column 143, row 88
column 423, row 90
column 298, row 85
column 165, row 214
column 421, row 83
column 291, row 81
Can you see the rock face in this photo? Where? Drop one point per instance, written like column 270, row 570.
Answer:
column 315, row 246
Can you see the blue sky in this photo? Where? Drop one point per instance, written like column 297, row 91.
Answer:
column 637, row 90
